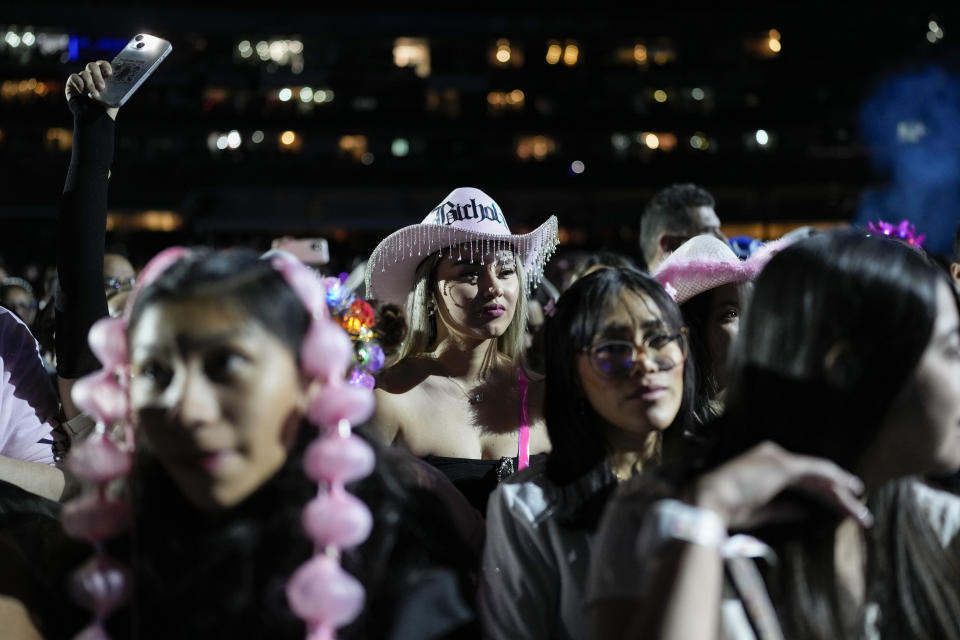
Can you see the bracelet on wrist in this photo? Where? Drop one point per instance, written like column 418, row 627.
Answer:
column 675, row 520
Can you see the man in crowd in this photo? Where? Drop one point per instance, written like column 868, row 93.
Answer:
column 673, row 216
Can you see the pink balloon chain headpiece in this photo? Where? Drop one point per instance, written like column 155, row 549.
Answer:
column 103, row 462
column 320, row 591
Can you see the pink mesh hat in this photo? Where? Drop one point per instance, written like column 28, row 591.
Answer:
column 706, row 262
column 467, row 218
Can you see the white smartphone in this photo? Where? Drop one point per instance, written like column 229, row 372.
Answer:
column 134, row 64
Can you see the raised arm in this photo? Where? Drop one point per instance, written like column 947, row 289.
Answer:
column 81, row 229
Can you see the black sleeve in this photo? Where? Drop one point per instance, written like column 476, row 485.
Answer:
column 81, row 234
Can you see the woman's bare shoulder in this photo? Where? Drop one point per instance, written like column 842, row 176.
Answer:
column 402, row 377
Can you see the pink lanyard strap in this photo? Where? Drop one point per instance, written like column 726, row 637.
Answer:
column 523, row 438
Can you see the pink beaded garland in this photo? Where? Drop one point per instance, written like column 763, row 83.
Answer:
column 338, row 460
column 93, row 518
column 321, row 592
column 337, row 518
column 101, row 585
column 99, row 460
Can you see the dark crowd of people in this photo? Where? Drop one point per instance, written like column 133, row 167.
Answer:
column 473, row 438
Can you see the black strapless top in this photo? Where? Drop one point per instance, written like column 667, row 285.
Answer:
column 476, row 479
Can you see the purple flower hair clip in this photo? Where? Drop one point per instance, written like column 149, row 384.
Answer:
column 904, row 232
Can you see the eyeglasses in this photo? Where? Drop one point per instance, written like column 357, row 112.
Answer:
column 120, row 284
column 621, row 358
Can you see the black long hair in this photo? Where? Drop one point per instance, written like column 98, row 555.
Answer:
column 578, row 444
column 837, row 324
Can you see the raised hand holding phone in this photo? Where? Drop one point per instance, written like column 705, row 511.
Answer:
column 90, row 82
column 113, row 83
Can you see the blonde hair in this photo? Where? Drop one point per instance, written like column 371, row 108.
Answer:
column 422, row 325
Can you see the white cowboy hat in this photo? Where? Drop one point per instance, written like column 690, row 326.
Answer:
column 467, row 216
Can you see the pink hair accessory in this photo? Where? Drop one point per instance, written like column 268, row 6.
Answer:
column 94, row 518
column 327, row 351
column 337, row 518
column 304, row 282
column 362, row 379
column 322, row 593
column 101, row 395
column 335, row 403
column 157, row 265
column 339, row 460
column 904, row 231
column 108, row 341
column 101, row 585
column 99, row 460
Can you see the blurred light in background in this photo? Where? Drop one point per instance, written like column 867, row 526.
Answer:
column 535, row 147
column 668, row 141
column 290, row 141
column 58, row 139
column 620, row 141
column 27, row 90
column 354, row 146
column 400, row 147
column 412, row 52
column 151, row 220
column 554, row 52
column 911, row 132
column 699, row 141
column 502, row 52
column 499, row 101
column 639, row 54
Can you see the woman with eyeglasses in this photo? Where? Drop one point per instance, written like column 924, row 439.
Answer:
column 618, row 394
column 809, row 519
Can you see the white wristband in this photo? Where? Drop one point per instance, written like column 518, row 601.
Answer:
column 674, row 520
column 677, row 520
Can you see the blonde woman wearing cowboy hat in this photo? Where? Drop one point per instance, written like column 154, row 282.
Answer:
column 457, row 394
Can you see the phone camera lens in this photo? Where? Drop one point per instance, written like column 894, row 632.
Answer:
column 140, row 45
column 139, row 38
